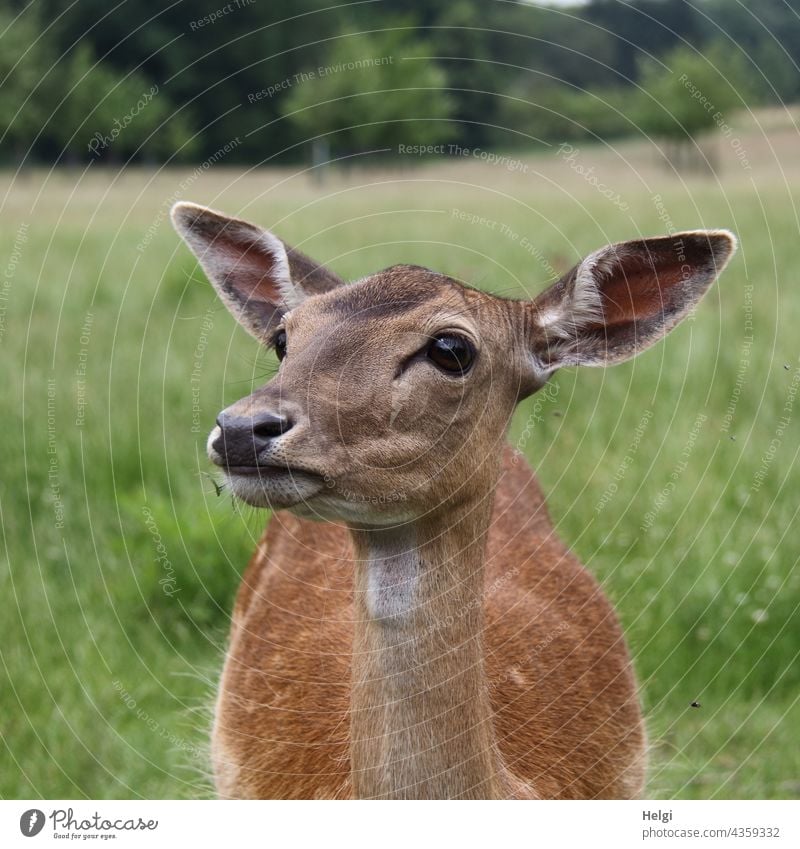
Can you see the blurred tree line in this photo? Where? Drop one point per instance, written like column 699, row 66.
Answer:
column 162, row 82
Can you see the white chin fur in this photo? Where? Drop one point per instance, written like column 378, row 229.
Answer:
column 277, row 492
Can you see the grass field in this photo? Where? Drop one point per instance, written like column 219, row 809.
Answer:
column 675, row 477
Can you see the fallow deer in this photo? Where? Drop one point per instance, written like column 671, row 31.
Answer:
column 431, row 637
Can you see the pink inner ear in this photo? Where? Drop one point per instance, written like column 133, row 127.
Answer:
column 638, row 290
column 249, row 271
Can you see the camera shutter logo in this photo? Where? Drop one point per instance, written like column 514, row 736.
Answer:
column 31, row 822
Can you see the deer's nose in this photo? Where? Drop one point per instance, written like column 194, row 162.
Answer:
column 242, row 439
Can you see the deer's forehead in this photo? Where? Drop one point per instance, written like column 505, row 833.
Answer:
column 391, row 301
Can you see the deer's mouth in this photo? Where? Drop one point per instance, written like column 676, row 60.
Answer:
column 276, row 487
column 265, row 470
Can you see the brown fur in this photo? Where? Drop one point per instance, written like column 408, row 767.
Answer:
column 562, row 690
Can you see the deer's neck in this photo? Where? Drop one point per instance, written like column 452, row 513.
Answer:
column 421, row 722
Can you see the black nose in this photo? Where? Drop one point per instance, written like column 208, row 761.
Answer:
column 242, row 439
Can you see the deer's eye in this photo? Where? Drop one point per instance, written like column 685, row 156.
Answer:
column 280, row 344
column 451, row 353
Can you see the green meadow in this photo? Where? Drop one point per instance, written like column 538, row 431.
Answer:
column 675, row 477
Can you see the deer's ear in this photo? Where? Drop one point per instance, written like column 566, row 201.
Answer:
column 257, row 276
column 623, row 298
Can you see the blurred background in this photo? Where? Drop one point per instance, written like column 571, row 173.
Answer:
column 495, row 141
column 509, row 74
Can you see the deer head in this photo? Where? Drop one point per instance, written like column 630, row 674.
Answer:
column 394, row 393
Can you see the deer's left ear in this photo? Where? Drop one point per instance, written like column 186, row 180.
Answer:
column 623, row 298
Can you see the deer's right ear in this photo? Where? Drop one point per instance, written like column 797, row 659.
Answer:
column 257, row 276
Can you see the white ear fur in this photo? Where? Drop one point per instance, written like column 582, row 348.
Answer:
column 584, row 305
column 291, row 296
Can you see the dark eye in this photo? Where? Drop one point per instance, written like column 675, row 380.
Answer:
column 451, row 353
column 280, row 344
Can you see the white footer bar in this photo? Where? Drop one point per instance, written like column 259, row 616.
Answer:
column 393, row 825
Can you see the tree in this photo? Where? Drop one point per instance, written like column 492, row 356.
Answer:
column 24, row 54
column 687, row 94
column 211, row 56
column 561, row 113
column 111, row 116
column 644, row 27
column 768, row 31
column 373, row 91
